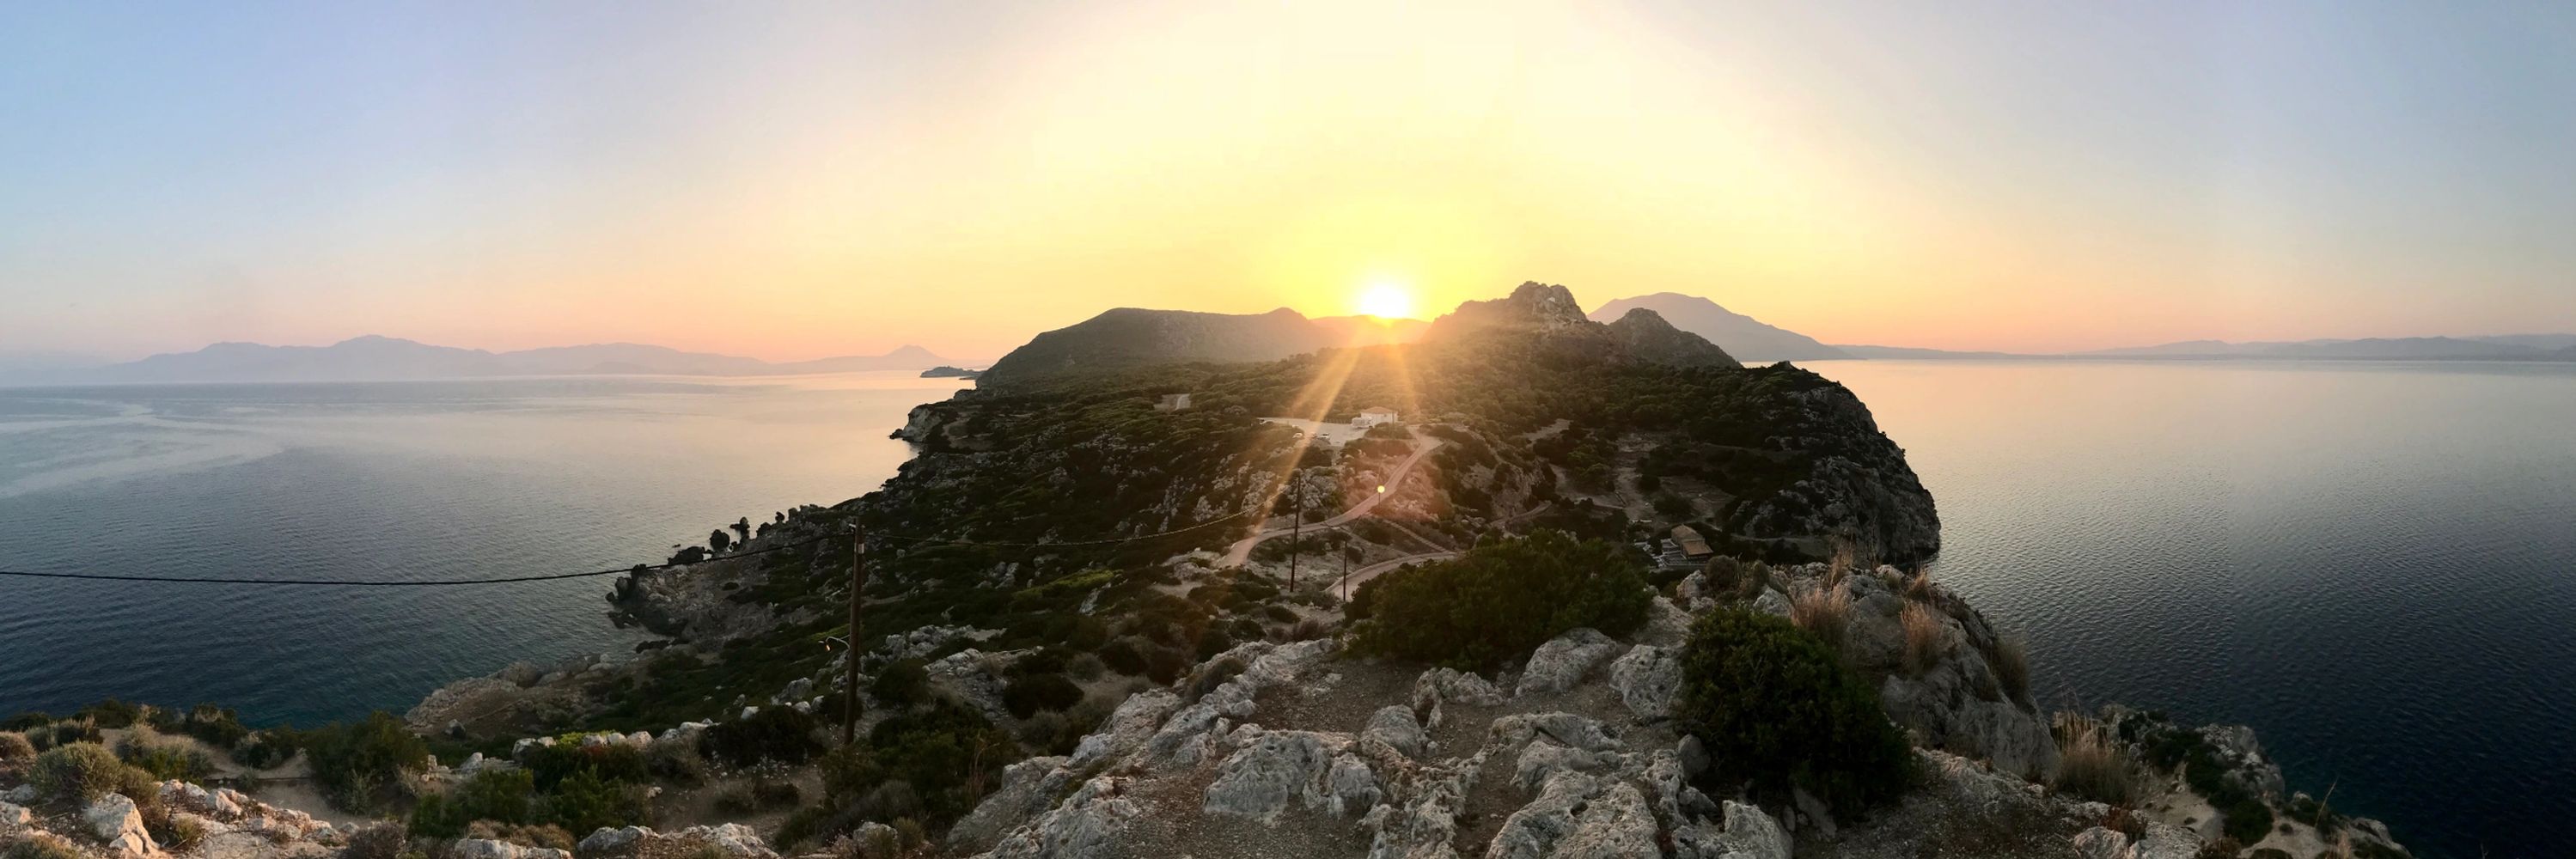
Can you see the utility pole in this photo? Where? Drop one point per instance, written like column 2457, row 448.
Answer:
column 850, row 682
column 1296, row 528
column 1346, row 570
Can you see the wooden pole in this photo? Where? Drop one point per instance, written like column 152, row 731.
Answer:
column 850, row 681
column 1296, row 530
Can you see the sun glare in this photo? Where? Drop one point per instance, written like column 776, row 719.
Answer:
column 1386, row 299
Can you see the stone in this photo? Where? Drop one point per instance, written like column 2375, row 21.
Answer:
column 1694, row 756
column 1564, row 661
column 1027, row 788
column 606, row 840
column 114, row 819
column 733, row 839
column 1541, row 760
column 1813, row 810
column 1752, row 834
column 1087, row 825
column 1579, row 816
column 2100, row 843
column 15, row 816
column 1437, row 688
column 1567, row 729
column 1260, row 780
column 20, row 795
column 1648, row 680
column 2166, row 841
column 1968, row 784
column 1395, row 726
column 1127, row 728
column 1666, row 624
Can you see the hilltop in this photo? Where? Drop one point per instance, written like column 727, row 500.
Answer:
column 1743, row 336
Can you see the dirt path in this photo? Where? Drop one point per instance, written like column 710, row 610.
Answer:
column 1237, row 554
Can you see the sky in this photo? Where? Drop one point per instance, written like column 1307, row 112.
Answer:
column 795, row 180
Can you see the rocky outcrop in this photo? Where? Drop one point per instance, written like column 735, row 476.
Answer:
column 1565, row 661
column 726, row 841
column 118, row 825
column 1648, row 679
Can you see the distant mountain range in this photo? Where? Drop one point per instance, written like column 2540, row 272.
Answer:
column 1746, row 338
column 373, row 358
column 2519, row 347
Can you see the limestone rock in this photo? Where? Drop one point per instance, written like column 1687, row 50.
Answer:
column 2100, row 843
column 607, row 840
column 1440, row 687
column 1086, row 825
column 1649, row 680
column 2166, row 841
column 1564, row 661
column 1028, row 787
column 1127, row 728
column 1394, row 725
column 1258, row 781
column 1578, row 815
column 1752, row 834
column 14, row 816
column 1541, row 760
column 1567, row 729
column 114, row 819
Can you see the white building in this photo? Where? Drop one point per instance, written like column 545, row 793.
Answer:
column 1374, row 416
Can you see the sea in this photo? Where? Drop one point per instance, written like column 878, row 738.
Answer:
column 2371, row 563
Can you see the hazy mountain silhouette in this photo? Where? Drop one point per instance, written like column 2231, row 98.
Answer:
column 1132, row 337
column 376, row 358
column 1742, row 336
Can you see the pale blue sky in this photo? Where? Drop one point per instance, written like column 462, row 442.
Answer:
column 793, row 180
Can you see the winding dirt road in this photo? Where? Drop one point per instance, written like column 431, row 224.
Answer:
column 1241, row 551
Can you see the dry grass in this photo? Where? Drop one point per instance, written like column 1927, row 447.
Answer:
column 2011, row 661
column 1923, row 634
column 1918, row 587
column 1825, row 611
column 2090, row 764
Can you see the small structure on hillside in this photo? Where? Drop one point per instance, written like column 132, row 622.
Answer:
column 1173, row 403
column 1691, row 545
column 1375, row 416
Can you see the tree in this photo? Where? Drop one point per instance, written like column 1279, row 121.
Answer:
column 717, row 540
column 1775, row 706
column 742, row 529
column 1501, row 600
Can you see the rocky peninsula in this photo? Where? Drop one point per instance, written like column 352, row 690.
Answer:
column 1601, row 592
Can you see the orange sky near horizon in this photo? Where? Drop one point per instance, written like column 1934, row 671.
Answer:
column 812, row 182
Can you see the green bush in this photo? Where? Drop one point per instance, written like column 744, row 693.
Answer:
column 111, row 713
column 584, row 802
column 503, row 796
column 361, row 766
column 15, row 749
column 1776, row 707
column 1500, row 601
column 164, row 760
column 1026, row 696
column 42, row 845
column 903, row 683
column 1124, row 656
column 928, row 764
column 613, row 761
column 214, row 726
column 773, row 734
column 376, row 841
column 78, row 772
column 2247, row 819
column 268, row 749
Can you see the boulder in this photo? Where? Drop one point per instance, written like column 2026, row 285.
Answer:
column 1028, row 787
column 20, row 795
column 732, row 839
column 2166, row 841
column 1086, row 825
column 1437, row 688
column 114, row 819
column 1564, row 661
column 1752, row 834
column 14, row 816
column 1812, row 810
column 1649, row 680
column 1258, row 781
column 1127, row 728
column 2100, row 843
column 606, row 840
column 1395, row 726
column 1541, row 760
column 1567, row 729
column 1579, row 816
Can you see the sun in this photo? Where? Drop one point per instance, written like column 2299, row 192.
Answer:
column 1386, row 299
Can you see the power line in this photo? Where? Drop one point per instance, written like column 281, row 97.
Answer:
column 218, row 580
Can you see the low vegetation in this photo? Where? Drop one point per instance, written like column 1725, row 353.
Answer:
column 1823, row 612
column 2092, row 764
column 1776, row 708
column 1500, row 601
column 366, row 765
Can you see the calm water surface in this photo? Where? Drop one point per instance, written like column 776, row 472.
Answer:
column 2373, row 564
column 415, row 480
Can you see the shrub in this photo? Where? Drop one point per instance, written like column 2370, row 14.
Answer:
column 78, row 772
column 214, row 726
column 584, row 802
column 1125, row 655
column 1822, row 611
column 504, row 796
column 42, row 845
column 675, row 761
column 2011, row 661
column 1923, row 629
column 774, row 734
column 613, row 761
column 1026, row 696
column 164, row 760
column 359, row 766
column 1085, row 667
column 758, row 796
column 376, row 841
column 111, row 713
column 1775, row 706
column 2091, row 764
column 15, row 749
column 267, row 749
column 932, row 764
column 63, row 734
column 903, row 683
column 1499, row 601
column 181, row 834
column 2247, row 819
